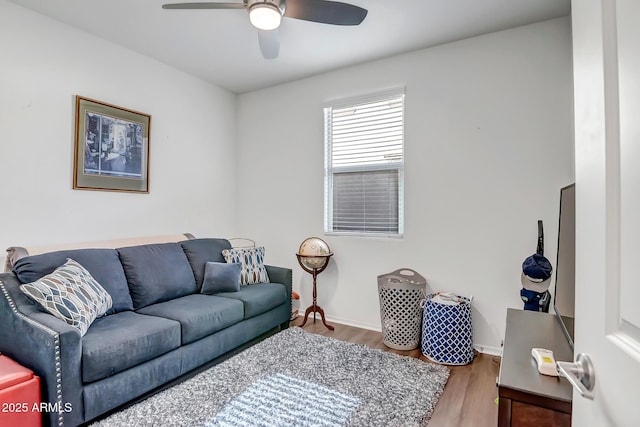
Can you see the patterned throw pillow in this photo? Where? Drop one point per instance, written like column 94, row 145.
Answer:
column 71, row 294
column 252, row 260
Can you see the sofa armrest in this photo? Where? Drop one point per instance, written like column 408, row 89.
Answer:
column 281, row 275
column 284, row 276
column 48, row 346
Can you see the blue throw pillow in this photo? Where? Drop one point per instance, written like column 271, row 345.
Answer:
column 221, row 277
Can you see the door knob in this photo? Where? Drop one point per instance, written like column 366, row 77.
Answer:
column 580, row 374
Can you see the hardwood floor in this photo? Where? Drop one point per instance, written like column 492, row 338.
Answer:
column 469, row 398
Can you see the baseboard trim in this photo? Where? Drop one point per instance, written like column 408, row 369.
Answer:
column 343, row 321
column 493, row 351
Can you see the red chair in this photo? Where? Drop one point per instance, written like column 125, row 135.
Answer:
column 294, row 307
column 19, row 395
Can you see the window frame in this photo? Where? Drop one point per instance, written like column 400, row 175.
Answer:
column 330, row 169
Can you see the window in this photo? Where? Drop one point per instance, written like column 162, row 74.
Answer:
column 364, row 161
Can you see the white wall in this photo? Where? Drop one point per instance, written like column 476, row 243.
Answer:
column 488, row 143
column 43, row 65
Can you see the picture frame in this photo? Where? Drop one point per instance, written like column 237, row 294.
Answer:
column 111, row 150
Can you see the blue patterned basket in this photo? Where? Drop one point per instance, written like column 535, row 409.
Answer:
column 447, row 331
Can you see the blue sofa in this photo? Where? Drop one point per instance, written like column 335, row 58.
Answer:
column 159, row 327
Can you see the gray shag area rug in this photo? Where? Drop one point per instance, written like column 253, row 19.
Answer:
column 296, row 378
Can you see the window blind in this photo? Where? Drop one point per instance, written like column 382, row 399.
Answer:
column 364, row 160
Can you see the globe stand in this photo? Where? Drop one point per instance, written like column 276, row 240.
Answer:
column 315, row 308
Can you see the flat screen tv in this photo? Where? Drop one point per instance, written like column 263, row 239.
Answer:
column 564, row 293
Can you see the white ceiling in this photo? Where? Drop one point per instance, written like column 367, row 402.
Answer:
column 221, row 46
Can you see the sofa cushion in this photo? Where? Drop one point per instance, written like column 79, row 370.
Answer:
column 119, row 341
column 258, row 298
column 201, row 251
column 71, row 294
column 157, row 272
column 103, row 264
column 199, row 315
column 221, row 277
column 252, row 260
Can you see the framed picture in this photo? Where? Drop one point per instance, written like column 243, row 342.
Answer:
column 111, row 148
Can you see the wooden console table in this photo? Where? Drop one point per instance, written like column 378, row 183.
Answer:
column 527, row 398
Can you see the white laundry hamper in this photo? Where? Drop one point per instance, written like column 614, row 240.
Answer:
column 447, row 330
column 402, row 294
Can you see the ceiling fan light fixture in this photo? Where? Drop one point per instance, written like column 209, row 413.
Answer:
column 265, row 16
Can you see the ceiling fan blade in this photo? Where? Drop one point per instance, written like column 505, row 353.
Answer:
column 203, row 6
column 325, row 12
column 269, row 42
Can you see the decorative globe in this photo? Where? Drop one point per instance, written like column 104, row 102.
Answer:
column 310, row 249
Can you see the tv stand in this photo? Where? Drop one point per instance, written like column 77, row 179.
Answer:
column 526, row 397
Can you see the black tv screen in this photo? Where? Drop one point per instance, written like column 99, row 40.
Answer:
column 564, row 293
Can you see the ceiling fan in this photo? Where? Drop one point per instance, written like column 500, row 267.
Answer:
column 266, row 15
